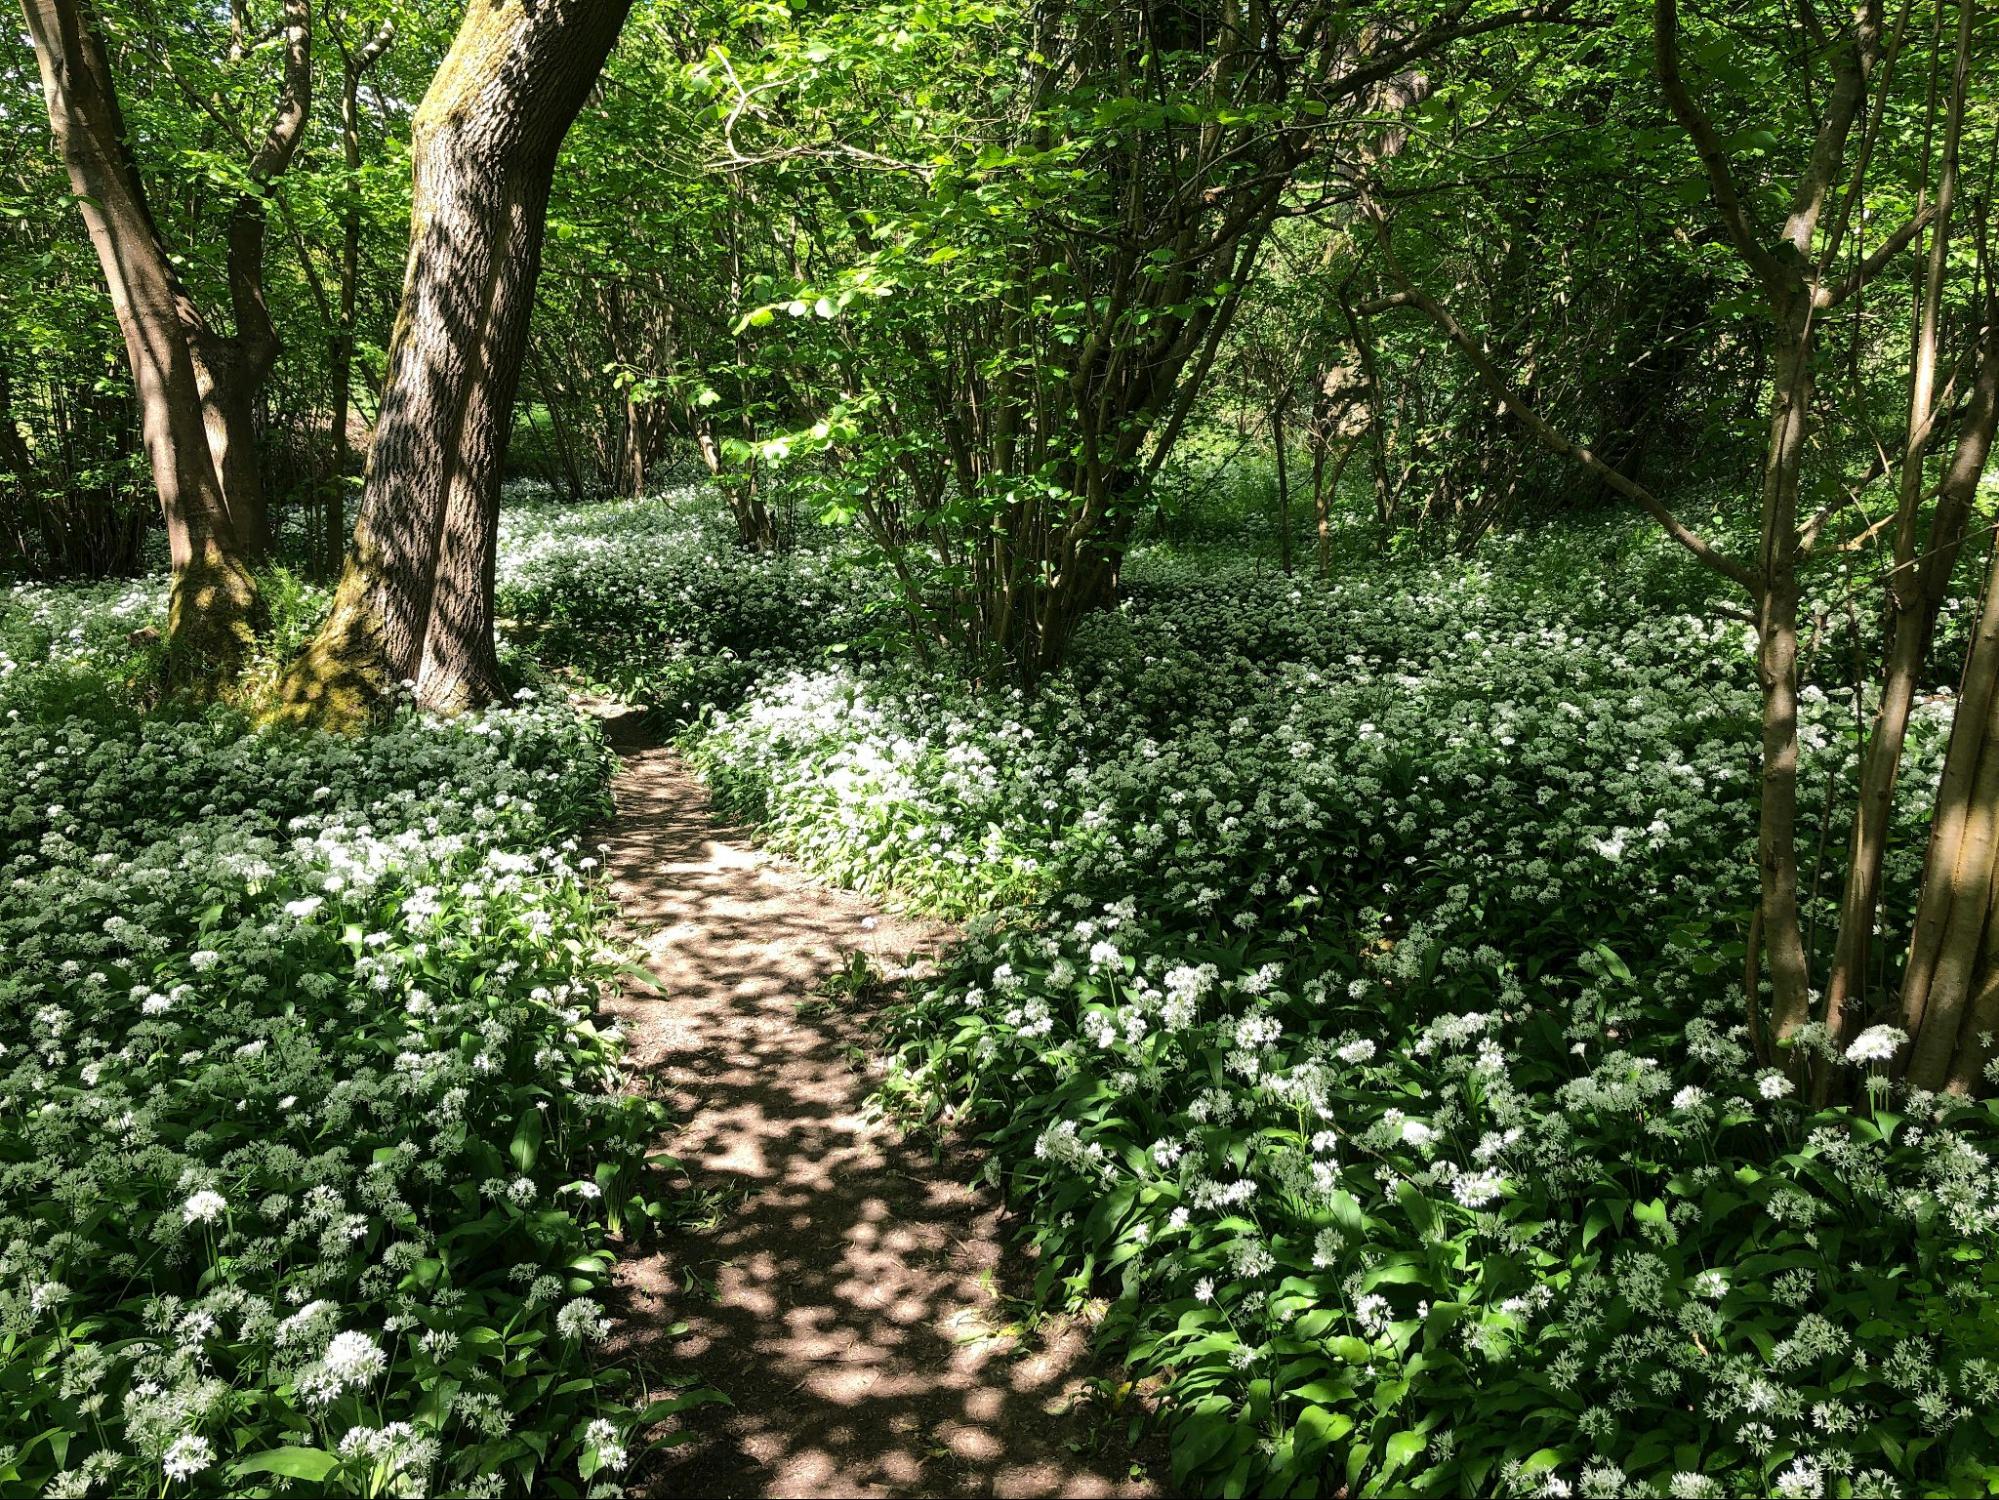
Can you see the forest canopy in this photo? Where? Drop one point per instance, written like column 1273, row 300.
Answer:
column 1404, row 595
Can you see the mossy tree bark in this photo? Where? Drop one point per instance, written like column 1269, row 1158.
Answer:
column 215, row 605
column 415, row 600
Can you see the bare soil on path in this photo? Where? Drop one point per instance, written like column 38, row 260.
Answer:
column 851, row 1296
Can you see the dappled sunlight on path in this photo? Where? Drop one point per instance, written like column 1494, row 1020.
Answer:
column 850, row 1298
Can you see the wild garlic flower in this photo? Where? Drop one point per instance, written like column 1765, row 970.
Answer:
column 1877, row 1044
column 187, row 1456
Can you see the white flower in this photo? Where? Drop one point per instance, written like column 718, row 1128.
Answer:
column 1689, row 1098
column 304, row 907
column 1371, row 1312
column 1357, row 1051
column 204, row 1207
column 353, row 1359
column 1877, row 1044
column 602, row 1436
column 579, row 1320
column 305, row 1324
column 1476, row 1189
column 1772, row 1084
column 188, row 1456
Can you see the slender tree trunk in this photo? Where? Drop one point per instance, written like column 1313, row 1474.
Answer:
column 1777, row 671
column 230, row 371
column 1320, row 440
column 340, row 353
column 564, row 453
column 637, row 446
column 1283, row 490
column 1916, row 592
column 214, row 608
column 415, row 603
column 1793, row 272
column 1323, row 504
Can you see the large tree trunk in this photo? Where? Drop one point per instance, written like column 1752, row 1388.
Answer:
column 214, row 606
column 415, row 603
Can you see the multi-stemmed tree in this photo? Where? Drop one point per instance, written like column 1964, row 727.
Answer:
column 1807, row 253
column 196, row 384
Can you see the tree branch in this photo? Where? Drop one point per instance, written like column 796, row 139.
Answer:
column 1489, row 375
column 1707, row 145
column 1876, row 261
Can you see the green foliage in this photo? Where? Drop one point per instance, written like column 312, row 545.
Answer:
column 655, row 602
column 1357, row 1009
column 313, row 1153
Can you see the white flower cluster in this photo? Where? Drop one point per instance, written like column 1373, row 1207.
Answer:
column 1376, row 1009
column 266, row 996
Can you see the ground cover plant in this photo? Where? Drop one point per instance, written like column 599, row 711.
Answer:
column 311, row 1150
column 1420, row 580
column 1355, row 1006
column 700, row 619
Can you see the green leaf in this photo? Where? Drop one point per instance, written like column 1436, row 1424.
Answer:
column 527, row 1141
column 1402, row 1447
column 309, row 1464
column 1319, row 1428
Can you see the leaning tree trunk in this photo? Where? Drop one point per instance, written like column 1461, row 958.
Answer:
column 415, row 602
column 1917, row 589
column 1950, row 990
column 214, row 603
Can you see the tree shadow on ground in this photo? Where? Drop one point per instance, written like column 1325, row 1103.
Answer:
column 853, row 1297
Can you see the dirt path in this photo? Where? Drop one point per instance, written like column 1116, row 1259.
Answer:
column 850, row 1297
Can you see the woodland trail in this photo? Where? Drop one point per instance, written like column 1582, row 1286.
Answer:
column 850, row 1296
